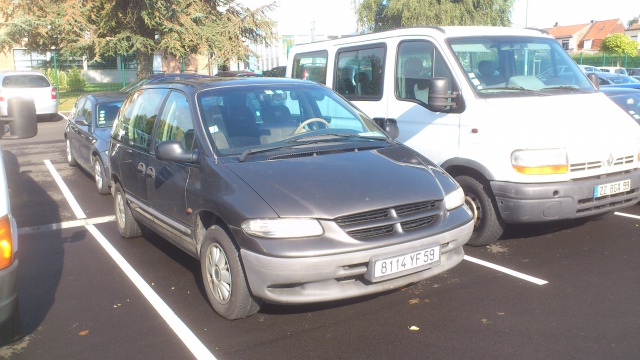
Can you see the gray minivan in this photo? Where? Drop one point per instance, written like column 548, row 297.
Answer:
column 283, row 190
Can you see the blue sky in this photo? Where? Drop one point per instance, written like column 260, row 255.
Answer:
column 337, row 16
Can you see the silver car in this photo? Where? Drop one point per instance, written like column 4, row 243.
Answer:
column 31, row 85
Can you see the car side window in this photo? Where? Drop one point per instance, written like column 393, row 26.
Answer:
column 77, row 107
column 311, row 66
column 134, row 125
column 176, row 122
column 360, row 72
column 85, row 111
column 417, row 63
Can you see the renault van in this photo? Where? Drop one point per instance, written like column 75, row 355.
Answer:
column 505, row 111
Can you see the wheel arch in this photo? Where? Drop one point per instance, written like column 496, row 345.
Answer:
column 461, row 166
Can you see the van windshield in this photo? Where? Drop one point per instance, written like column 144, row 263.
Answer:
column 517, row 66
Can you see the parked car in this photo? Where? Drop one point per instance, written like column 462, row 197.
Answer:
column 614, row 70
column 588, row 68
column 627, row 99
column 278, row 71
column 633, row 72
column 87, row 134
column 29, row 84
column 613, row 79
column 21, row 121
column 161, row 78
column 283, row 190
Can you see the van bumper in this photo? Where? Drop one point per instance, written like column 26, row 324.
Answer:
column 529, row 203
column 8, row 291
column 342, row 276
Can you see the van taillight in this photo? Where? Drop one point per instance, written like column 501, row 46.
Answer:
column 6, row 243
column 1, row 96
column 54, row 95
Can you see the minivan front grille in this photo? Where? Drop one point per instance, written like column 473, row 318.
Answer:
column 381, row 222
column 584, row 166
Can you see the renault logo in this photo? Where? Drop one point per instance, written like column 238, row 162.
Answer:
column 610, row 160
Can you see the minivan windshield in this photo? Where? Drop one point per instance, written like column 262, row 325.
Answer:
column 517, row 66
column 279, row 116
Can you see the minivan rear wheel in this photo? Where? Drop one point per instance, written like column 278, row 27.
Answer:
column 127, row 225
column 488, row 226
column 224, row 278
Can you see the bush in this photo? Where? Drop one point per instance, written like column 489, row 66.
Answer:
column 75, row 81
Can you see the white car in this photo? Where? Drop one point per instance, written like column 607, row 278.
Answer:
column 31, row 85
column 589, row 69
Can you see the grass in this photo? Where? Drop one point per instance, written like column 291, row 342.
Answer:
column 67, row 99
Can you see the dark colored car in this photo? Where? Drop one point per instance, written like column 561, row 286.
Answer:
column 617, row 80
column 162, row 78
column 237, row 73
column 627, row 99
column 283, row 190
column 87, row 134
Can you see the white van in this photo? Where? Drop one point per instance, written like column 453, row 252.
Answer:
column 505, row 111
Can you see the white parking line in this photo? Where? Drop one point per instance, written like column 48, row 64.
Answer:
column 506, row 271
column 627, row 215
column 66, row 224
column 194, row 344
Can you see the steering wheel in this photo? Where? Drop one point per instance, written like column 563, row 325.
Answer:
column 300, row 127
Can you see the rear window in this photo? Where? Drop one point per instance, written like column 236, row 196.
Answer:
column 25, row 81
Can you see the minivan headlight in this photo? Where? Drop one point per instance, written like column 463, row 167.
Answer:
column 282, row 228
column 454, row 199
column 540, row 162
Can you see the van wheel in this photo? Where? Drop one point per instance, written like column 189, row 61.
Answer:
column 223, row 276
column 70, row 159
column 127, row 225
column 488, row 226
column 99, row 176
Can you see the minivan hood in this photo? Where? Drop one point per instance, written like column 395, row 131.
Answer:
column 328, row 186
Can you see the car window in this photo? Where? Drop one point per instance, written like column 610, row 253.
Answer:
column 25, row 81
column 85, row 111
column 311, row 66
column 107, row 113
column 77, row 107
column 256, row 117
column 175, row 121
column 134, row 124
column 360, row 72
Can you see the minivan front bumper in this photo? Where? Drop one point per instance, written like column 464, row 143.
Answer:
column 529, row 203
column 342, row 276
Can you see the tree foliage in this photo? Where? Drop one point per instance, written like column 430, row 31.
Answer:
column 218, row 28
column 619, row 44
column 378, row 15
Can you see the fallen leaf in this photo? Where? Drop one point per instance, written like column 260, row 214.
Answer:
column 485, row 321
column 414, row 301
column 83, row 332
column 414, row 328
column 500, row 313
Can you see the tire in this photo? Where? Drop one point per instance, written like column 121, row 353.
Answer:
column 223, row 277
column 488, row 226
column 127, row 225
column 99, row 176
column 70, row 159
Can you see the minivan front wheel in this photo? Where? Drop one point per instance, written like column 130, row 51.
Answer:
column 223, row 276
column 488, row 226
column 127, row 225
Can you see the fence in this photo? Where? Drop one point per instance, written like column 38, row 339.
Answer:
column 603, row 59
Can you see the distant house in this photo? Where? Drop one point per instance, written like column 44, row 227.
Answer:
column 586, row 37
column 633, row 32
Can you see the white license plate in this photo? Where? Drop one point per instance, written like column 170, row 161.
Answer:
column 611, row 188
column 416, row 259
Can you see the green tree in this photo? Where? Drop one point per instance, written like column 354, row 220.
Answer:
column 378, row 15
column 180, row 28
column 633, row 21
column 619, row 44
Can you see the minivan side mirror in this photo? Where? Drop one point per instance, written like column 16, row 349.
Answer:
column 22, row 119
column 172, row 150
column 439, row 97
column 594, row 79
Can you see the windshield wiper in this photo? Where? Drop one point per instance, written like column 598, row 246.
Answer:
column 317, row 138
column 566, row 87
column 516, row 88
column 245, row 154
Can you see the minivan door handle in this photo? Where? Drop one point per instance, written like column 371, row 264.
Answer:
column 141, row 168
column 151, row 172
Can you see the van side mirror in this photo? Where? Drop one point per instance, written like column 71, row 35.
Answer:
column 594, row 79
column 22, row 119
column 172, row 150
column 389, row 126
column 439, row 97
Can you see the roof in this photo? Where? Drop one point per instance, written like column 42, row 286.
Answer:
column 107, row 96
column 635, row 26
column 602, row 29
column 566, row 31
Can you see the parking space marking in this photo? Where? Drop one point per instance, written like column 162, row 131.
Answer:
column 506, row 271
column 185, row 334
column 66, row 224
column 627, row 215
